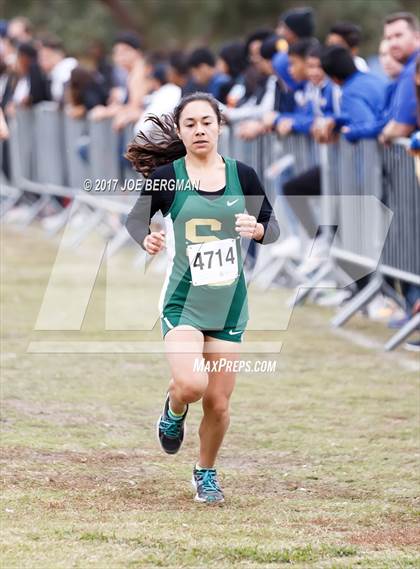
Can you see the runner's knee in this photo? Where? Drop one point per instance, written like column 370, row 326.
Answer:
column 217, row 406
column 191, row 389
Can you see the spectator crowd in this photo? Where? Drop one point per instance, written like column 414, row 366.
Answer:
column 282, row 80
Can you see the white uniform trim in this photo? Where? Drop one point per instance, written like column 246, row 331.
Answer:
column 170, row 249
column 167, row 322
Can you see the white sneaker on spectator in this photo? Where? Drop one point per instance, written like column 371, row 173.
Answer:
column 77, row 220
column 289, row 248
column 333, row 297
column 382, row 309
column 52, row 222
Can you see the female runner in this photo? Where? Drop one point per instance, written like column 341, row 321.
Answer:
column 203, row 303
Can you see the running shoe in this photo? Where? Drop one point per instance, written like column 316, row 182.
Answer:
column 170, row 432
column 207, row 486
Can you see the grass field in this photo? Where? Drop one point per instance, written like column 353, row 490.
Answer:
column 319, row 466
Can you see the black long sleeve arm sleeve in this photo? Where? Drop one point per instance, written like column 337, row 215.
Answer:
column 257, row 203
column 150, row 201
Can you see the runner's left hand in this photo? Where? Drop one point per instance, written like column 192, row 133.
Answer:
column 247, row 226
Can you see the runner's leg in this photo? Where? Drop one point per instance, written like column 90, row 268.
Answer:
column 215, row 402
column 184, row 345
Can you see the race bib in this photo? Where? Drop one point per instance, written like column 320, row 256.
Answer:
column 213, row 262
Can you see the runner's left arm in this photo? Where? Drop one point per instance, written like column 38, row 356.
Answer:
column 257, row 203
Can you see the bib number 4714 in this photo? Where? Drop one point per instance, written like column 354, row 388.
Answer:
column 213, row 262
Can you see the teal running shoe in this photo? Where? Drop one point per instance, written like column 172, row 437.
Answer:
column 207, row 486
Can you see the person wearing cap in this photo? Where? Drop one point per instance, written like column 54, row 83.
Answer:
column 295, row 24
column 127, row 54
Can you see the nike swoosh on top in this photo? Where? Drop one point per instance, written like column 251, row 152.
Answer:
column 231, row 203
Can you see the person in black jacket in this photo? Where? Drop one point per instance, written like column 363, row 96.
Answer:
column 27, row 85
column 85, row 90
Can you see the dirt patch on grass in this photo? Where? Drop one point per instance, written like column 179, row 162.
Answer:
column 100, row 480
column 393, row 536
column 327, row 523
column 139, row 472
column 44, row 455
column 81, row 475
column 129, row 480
column 59, row 413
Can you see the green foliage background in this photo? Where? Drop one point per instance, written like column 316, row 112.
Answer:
column 188, row 23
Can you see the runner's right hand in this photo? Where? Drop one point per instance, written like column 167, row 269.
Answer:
column 154, row 242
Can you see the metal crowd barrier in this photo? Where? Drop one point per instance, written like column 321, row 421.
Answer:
column 401, row 255
column 363, row 169
column 46, row 159
column 364, row 236
column 353, row 170
column 9, row 195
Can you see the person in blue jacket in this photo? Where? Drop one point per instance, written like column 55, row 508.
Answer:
column 297, row 72
column 392, row 69
column 402, row 32
column 202, row 64
column 362, row 100
column 319, row 93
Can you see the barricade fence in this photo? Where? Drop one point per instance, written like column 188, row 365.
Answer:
column 52, row 154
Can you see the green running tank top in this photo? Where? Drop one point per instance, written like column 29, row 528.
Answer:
column 191, row 219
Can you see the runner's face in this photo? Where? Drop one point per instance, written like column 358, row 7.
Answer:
column 198, row 128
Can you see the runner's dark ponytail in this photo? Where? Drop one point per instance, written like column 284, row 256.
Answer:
column 161, row 144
